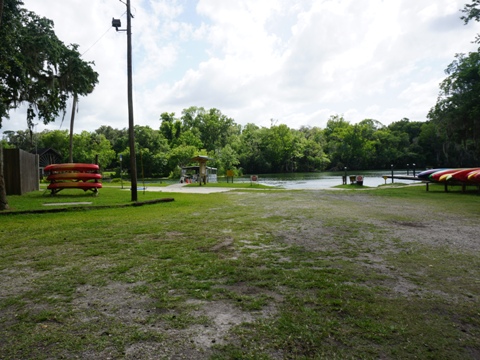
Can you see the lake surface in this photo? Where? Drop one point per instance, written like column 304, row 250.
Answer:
column 324, row 180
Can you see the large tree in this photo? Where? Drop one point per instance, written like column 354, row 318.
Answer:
column 36, row 69
column 457, row 111
column 456, row 115
column 212, row 127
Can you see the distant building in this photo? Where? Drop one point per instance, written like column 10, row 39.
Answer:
column 46, row 157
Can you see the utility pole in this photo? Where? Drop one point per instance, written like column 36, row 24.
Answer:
column 131, row 133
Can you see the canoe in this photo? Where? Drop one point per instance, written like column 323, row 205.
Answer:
column 79, row 167
column 81, row 176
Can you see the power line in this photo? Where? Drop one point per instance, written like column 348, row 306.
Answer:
column 100, row 38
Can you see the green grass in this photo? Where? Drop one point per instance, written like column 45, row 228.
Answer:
column 304, row 275
column 107, row 196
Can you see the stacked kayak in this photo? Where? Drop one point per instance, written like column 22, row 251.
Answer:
column 464, row 176
column 73, row 176
column 424, row 175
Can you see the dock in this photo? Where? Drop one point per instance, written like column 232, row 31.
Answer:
column 403, row 177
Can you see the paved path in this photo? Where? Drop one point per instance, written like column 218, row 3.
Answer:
column 182, row 188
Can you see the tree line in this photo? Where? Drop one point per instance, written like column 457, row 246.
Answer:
column 251, row 149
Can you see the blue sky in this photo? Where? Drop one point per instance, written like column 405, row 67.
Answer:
column 295, row 61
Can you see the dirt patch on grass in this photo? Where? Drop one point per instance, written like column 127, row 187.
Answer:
column 316, row 219
column 210, row 324
column 375, row 232
column 394, row 247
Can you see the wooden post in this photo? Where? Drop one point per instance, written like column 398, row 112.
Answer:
column 3, row 187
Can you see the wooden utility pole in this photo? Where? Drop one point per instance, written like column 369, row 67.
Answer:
column 131, row 132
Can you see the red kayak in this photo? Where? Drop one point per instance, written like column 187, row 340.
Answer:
column 474, row 176
column 79, row 167
column 462, row 175
column 437, row 175
column 74, row 185
column 81, row 176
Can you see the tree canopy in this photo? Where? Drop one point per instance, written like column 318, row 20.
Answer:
column 37, row 69
column 251, row 149
column 456, row 115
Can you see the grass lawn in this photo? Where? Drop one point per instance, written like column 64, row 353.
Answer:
column 390, row 273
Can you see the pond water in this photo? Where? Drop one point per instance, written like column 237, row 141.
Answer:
column 324, row 180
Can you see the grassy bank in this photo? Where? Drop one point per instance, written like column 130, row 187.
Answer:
column 387, row 273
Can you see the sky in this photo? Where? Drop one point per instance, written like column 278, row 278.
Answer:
column 293, row 62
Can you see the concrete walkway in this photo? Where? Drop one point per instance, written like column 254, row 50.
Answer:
column 182, row 188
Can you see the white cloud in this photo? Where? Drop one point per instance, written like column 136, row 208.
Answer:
column 296, row 61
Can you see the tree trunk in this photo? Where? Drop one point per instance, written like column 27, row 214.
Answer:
column 72, row 119
column 3, row 189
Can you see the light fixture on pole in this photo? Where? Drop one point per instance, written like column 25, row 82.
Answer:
column 116, row 23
